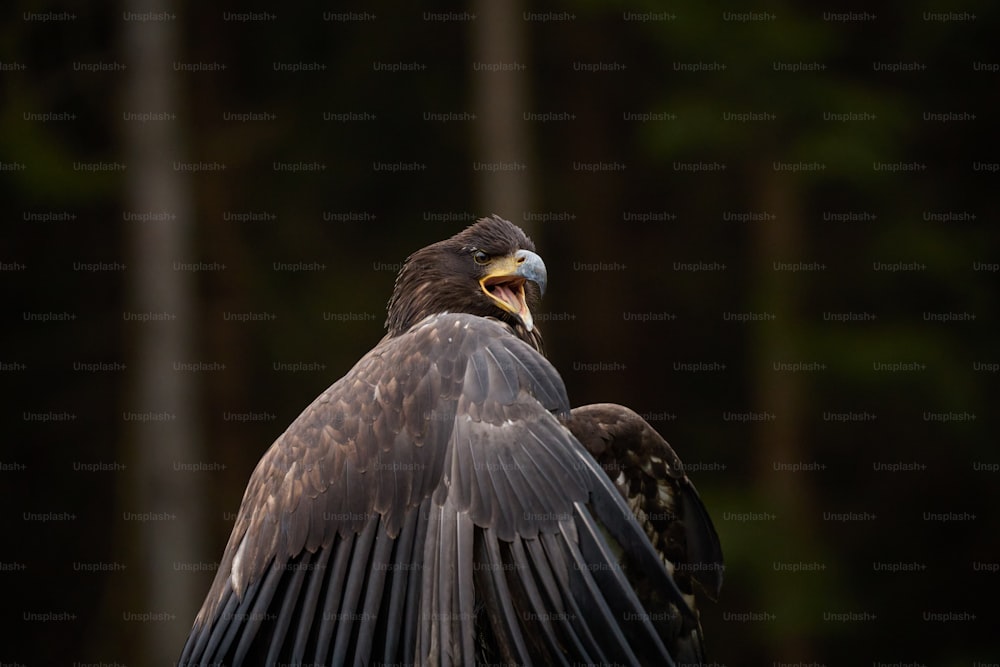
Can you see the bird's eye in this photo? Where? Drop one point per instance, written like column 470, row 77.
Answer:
column 480, row 257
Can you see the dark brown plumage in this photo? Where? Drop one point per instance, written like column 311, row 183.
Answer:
column 438, row 504
column 441, row 279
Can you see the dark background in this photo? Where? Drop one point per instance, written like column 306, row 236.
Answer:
column 803, row 301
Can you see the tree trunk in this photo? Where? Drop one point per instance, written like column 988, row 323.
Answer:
column 166, row 430
column 781, row 393
column 500, row 99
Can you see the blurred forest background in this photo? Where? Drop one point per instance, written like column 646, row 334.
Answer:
column 772, row 233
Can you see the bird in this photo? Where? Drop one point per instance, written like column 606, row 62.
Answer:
column 443, row 504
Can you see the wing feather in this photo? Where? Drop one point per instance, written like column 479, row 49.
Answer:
column 307, row 618
column 331, row 601
column 607, row 572
column 203, row 640
column 259, row 611
column 428, row 646
column 595, row 607
column 222, row 640
column 399, row 568
column 297, row 572
column 586, row 647
column 504, row 621
column 420, row 572
column 545, row 616
column 446, row 591
column 370, row 613
column 464, row 544
column 356, row 578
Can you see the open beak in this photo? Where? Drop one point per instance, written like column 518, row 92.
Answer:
column 505, row 282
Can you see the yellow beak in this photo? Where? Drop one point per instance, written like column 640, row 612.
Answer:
column 505, row 282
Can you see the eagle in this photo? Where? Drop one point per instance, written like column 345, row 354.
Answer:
column 441, row 504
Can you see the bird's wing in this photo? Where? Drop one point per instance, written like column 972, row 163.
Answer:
column 431, row 508
column 650, row 477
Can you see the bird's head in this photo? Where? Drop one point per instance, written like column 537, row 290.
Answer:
column 489, row 269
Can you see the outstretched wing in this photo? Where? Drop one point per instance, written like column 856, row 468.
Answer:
column 650, row 477
column 431, row 508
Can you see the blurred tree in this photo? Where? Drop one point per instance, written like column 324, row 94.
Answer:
column 164, row 442
column 499, row 90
